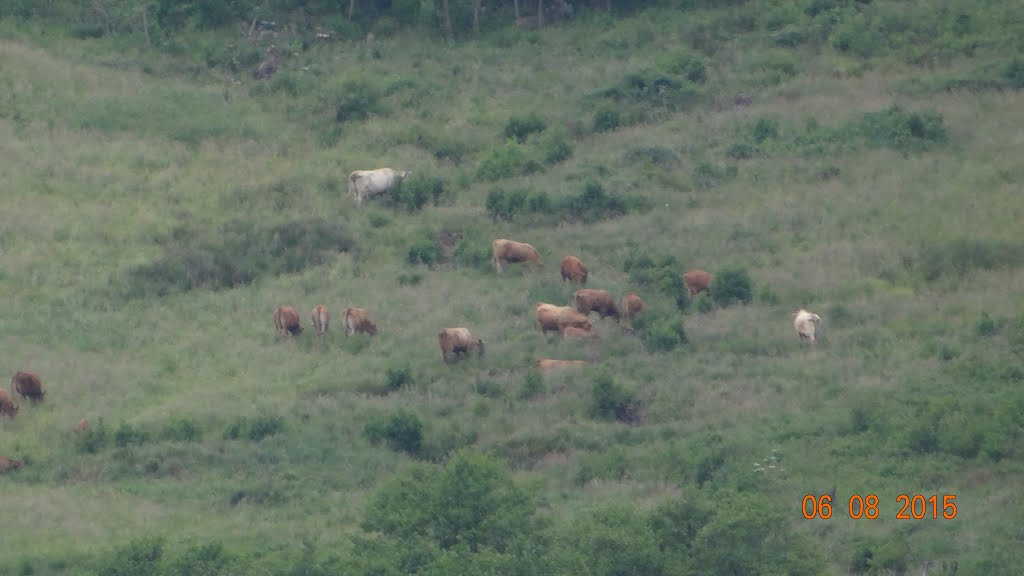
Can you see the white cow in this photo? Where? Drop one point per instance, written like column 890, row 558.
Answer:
column 805, row 323
column 365, row 183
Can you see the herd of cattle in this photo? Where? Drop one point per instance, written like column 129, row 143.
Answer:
column 570, row 322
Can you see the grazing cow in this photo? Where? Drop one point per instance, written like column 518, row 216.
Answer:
column 805, row 323
column 697, row 281
column 551, row 317
column 7, row 406
column 28, row 385
column 82, row 426
column 286, row 320
column 8, row 464
column 455, row 341
column 587, row 300
column 356, row 320
column 320, row 319
column 510, row 251
column 571, row 332
column 546, row 364
column 631, row 306
column 573, row 270
column 364, row 184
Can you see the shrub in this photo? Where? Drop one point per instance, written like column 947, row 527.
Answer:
column 357, row 100
column 182, row 430
column 413, row 192
column 519, row 128
column 552, row 147
column 127, row 434
column 902, row 130
column 398, row 377
column 594, row 203
column 409, row 278
column 764, row 129
column 94, row 438
column 610, row 400
column 533, row 385
column 235, row 254
column 423, row 250
column 706, row 176
column 661, row 333
column 257, row 429
column 606, row 119
column 140, row 556
column 655, row 155
column 402, row 430
column 505, row 161
column 503, row 205
column 731, row 285
column 662, row 273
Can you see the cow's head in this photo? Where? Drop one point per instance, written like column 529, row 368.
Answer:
column 405, row 173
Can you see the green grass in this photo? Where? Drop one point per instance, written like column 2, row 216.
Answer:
column 158, row 205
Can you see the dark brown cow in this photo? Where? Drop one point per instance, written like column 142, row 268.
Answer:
column 8, row 464
column 356, row 320
column 572, row 332
column 28, row 385
column 286, row 320
column 631, row 306
column 7, row 406
column 558, row 318
column 573, row 270
column 697, row 281
column 455, row 341
column 589, row 300
column 546, row 364
column 320, row 319
column 510, row 251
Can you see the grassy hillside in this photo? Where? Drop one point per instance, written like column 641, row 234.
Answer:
column 859, row 160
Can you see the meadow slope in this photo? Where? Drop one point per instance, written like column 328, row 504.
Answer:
column 155, row 211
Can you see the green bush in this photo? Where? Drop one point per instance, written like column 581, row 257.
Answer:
column 423, row 250
column 402, row 430
column 606, row 119
column 140, row 556
column 533, row 385
column 127, row 434
column 519, row 128
column 901, row 130
column 357, row 100
column 653, row 155
column 94, row 438
column 730, row 285
column 662, row 273
column 396, row 378
column 661, row 333
column 610, row 400
column 505, row 161
column 182, row 430
column 256, row 429
column 235, row 254
column 413, row 192
column 707, row 176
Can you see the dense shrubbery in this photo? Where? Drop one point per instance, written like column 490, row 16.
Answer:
column 662, row 273
column 593, row 203
column 235, row 254
column 644, row 96
column 402, row 430
column 413, row 192
column 731, row 285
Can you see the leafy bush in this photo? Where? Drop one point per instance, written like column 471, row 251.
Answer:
column 654, row 155
column 396, row 378
column 357, row 100
column 731, row 285
column 661, row 333
column 413, row 192
column 594, row 203
column 606, row 119
column 140, row 556
column 127, row 434
column 503, row 205
column 403, row 431
column 519, row 128
column 505, row 161
column 533, row 385
column 957, row 258
column 902, row 130
column 611, row 400
column 661, row 273
column 94, row 438
column 707, row 176
column 182, row 430
column 423, row 250
column 235, row 254
column 553, row 147
column 256, row 429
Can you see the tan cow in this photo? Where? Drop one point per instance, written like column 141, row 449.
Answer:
column 572, row 332
column 631, row 306
column 7, row 406
column 805, row 323
column 547, row 364
column 8, row 464
column 357, row 320
column 589, row 300
column 28, row 385
column 558, row 318
column 82, row 426
column 697, row 281
column 573, row 270
column 286, row 321
column 320, row 319
column 503, row 250
column 455, row 341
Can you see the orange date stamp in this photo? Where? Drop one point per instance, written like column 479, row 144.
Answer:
column 914, row 507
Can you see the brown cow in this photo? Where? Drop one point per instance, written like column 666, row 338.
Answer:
column 545, row 364
column 551, row 317
column 7, row 406
column 573, row 270
column 28, row 385
column 320, row 319
column 82, row 426
column 697, row 281
column 286, row 320
column 356, row 320
column 455, row 341
column 631, row 306
column 8, row 464
column 574, row 332
column 589, row 300
column 510, row 251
